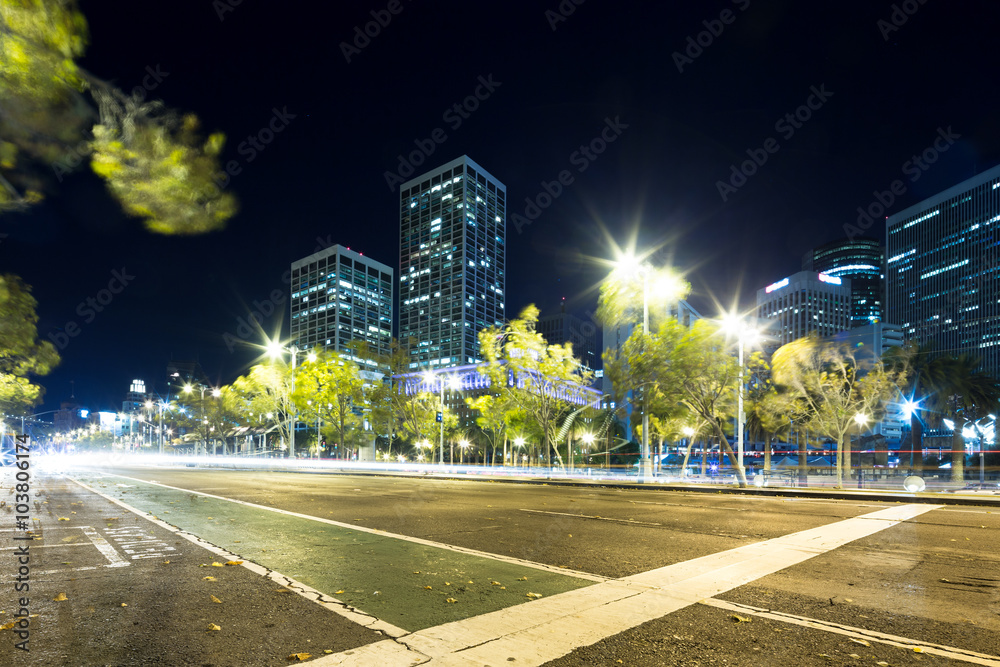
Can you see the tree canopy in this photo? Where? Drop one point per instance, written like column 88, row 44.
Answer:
column 54, row 113
column 22, row 354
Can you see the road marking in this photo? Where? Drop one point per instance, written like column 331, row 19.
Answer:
column 108, row 551
column 599, row 518
column 332, row 604
column 374, row 531
column 859, row 633
column 543, row 630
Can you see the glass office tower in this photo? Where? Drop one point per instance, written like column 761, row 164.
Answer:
column 942, row 270
column 452, row 224
column 860, row 260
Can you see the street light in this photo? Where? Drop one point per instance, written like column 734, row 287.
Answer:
column 519, row 441
column 745, row 333
column 462, row 445
column 454, row 383
column 276, row 350
column 666, row 285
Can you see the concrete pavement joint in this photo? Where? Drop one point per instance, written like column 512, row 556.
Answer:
column 858, row 633
column 311, row 594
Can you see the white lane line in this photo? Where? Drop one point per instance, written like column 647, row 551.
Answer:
column 385, row 652
column 416, row 540
column 104, row 547
column 860, row 633
column 599, row 518
column 330, row 603
column 549, row 628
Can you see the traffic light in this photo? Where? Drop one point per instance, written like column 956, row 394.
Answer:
column 440, row 417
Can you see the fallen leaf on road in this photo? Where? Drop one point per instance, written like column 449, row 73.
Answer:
column 214, row 627
column 522, row 579
column 918, row 649
column 166, row 562
column 62, row 518
column 451, row 600
column 428, row 588
column 217, row 565
column 339, row 592
column 447, row 583
column 860, row 641
column 208, row 578
column 234, row 562
column 59, row 598
column 740, row 619
column 215, row 599
column 300, row 656
column 8, row 626
column 495, row 583
column 534, row 595
column 124, row 604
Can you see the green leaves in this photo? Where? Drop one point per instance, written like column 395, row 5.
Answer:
column 22, row 354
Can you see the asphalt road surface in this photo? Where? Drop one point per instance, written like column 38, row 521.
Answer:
column 337, row 569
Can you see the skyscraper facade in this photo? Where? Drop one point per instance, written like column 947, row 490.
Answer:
column 943, row 269
column 861, row 260
column 452, row 223
column 339, row 296
column 802, row 303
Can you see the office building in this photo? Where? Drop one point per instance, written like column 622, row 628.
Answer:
column 340, row 296
column 862, row 261
column 802, row 303
column 451, row 262
column 562, row 327
column 942, row 283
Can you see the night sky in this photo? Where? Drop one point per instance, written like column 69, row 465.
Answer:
column 555, row 83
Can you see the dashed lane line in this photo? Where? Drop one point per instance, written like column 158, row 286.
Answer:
column 543, row 630
column 330, row 603
column 859, row 633
column 374, row 531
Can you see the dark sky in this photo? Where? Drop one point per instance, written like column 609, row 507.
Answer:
column 322, row 179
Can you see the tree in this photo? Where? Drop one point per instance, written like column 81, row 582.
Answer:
column 330, row 388
column 706, row 375
column 968, row 396
column 493, row 417
column 267, row 390
column 923, row 373
column 546, row 381
column 834, row 386
column 54, row 113
column 22, row 354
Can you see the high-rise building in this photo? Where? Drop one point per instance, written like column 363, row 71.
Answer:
column 339, row 296
column 563, row 327
column 943, row 269
column 452, row 257
column 802, row 303
column 862, row 260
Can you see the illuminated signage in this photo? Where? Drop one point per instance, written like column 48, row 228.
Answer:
column 830, row 279
column 778, row 285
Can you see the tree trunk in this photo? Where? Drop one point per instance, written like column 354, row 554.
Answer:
column 916, row 443
column 803, row 453
column 767, row 451
column 842, row 464
column 733, row 461
column 957, row 455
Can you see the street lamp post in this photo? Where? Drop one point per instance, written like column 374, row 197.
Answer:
column 860, row 419
column 744, row 334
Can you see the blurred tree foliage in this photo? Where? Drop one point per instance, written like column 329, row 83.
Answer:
column 153, row 160
column 21, row 353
